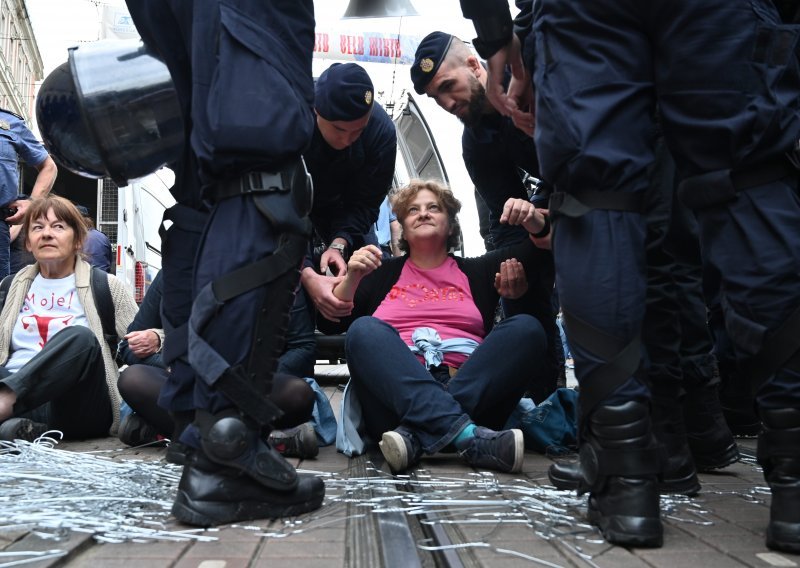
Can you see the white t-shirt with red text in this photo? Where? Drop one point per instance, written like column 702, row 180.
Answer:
column 51, row 305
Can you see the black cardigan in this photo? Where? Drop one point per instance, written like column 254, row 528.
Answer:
column 480, row 272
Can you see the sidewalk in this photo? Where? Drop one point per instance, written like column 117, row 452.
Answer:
column 370, row 518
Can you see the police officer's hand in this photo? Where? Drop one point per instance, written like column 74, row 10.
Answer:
column 510, row 55
column 320, row 290
column 332, row 259
column 511, row 281
column 21, row 205
column 520, row 93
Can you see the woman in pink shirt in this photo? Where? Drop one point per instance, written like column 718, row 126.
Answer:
column 428, row 365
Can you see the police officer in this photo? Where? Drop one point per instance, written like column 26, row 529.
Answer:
column 351, row 161
column 247, row 110
column 17, row 141
column 494, row 149
column 725, row 77
column 496, row 154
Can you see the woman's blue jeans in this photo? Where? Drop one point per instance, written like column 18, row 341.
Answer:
column 395, row 389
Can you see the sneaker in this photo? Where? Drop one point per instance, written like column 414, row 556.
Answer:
column 134, row 431
column 21, row 429
column 297, row 442
column 210, row 495
column 401, row 449
column 501, row 451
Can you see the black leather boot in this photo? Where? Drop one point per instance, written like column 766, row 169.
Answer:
column 710, row 439
column 211, row 494
column 680, row 475
column 779, row 455
column 621, row 461
column 229, row 439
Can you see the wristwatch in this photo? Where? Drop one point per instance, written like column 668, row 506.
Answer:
column 337, row 246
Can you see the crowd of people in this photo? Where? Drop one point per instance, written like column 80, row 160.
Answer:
column 669, row 191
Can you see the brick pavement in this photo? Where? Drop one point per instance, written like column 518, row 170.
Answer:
column 723, row 526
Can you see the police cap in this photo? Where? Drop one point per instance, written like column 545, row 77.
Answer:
column 343, row 92
column 429, row 56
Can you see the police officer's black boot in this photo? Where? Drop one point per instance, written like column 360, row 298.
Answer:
column 680, row 475
column 779, row 455
column 621, row 460
column 710, row 440
column 235, row 476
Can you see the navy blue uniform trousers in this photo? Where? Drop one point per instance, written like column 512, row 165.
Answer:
column 724, row 74
column 242, row 70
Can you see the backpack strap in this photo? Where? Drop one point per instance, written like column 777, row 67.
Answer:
column 5, row 284
column 104, row 304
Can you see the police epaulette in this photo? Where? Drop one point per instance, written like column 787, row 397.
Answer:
column 12, row 113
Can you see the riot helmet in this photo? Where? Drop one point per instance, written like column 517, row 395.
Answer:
column 111, row 110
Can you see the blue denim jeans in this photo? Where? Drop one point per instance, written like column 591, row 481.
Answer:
column 395, row 389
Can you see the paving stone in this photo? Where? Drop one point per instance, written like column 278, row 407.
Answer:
column 673, row 558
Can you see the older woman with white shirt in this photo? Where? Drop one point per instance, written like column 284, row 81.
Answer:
column 57, row 370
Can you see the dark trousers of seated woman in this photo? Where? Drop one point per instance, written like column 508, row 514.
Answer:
column 64, row 386
column 139, row 386
column 395, row 389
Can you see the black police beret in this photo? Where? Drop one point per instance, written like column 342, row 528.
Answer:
column 429, row 56
column 82, row 210
column 343, row 92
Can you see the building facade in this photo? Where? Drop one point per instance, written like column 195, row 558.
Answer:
column 20, row 60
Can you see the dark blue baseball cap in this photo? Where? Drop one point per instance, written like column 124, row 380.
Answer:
column 429, row 56
column 343, row 92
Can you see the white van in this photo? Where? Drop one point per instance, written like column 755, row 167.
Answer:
column 131, row 217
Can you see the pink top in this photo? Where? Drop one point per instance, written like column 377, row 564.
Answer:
column 439, row 298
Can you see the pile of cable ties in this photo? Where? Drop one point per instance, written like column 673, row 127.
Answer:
column 50, row 492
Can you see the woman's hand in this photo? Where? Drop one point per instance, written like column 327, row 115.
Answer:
column 511, row 282
column 143, row 343
column 364, row 260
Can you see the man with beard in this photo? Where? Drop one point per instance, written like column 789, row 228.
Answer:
column 497, row 155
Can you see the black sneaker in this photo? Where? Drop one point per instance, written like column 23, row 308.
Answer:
column 21, row 429
column 209, row 495
column 401, row 449
column 134, row 431
column 297, row 442
column 501, row 451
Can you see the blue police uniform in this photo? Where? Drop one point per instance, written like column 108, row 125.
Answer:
column 97, row 249
column 16, row 141
column 350, row 184
column 242, row 72
column 725, row 77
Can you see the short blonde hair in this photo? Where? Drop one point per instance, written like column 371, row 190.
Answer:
column 402, row 199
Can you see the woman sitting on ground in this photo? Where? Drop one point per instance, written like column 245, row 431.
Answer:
column 428, row 365
column 58, row 371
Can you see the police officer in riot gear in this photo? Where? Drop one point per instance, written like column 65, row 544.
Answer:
column 725, row 77
column 242, row 110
